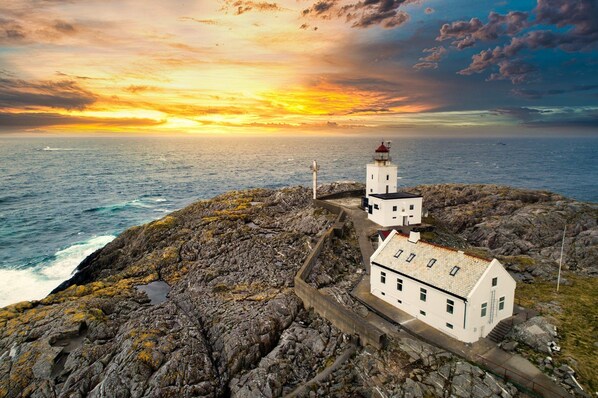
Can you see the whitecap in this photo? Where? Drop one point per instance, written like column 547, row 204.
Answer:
column 37, row 282
column 57, row 149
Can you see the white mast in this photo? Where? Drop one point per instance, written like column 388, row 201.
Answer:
column 558, row 279
column 314, row 168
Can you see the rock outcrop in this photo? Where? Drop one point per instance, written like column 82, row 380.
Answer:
column 523, row 228
column 231, row 324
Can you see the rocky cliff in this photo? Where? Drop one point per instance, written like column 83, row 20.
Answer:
column 231, row 324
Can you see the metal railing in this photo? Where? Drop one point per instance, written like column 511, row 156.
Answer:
column 521, row 381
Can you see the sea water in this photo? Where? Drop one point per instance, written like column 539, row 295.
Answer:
column 61, row 198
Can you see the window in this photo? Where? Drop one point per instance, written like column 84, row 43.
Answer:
column 399, row 301
column 454, row 271
column 376, row 207
column 394, row 208
column 431, row 262
column 450, row 306
column 382, row 277
column 411, row 257
column 422, row 294
column 397, row 254
column 484, row 307
column 448, row 325
column 384, row 294
column 371, row 190
column 387, row 177
column 411, row 207
column 372, row 176
column 494, row 282
column 501, row 303
column 399, row 285
column 422, row 312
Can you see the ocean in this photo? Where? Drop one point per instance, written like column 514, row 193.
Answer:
column 61, row 198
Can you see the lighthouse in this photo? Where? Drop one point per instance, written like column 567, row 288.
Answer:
column 382, row 174
column 385, row 205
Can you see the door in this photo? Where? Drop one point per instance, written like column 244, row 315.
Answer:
column 406, row 220
column 370, row 209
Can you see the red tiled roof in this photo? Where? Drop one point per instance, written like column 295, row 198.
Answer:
column 382, row 148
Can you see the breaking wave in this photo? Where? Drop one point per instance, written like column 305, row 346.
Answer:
column 36, row 282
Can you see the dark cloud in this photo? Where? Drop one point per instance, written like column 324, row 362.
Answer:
column 537, row 94
column 63, row 94
column 243, row 6
column 11, row 31
column 515, row 71
column 64, row 27
column 546, row 117
column 466, row 33
column 521, row 113
column 38, row 120
column 568, row 25
column 363, row 14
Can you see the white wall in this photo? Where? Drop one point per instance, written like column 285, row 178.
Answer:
column 385, row 216
column 379, row 177
column 434, row 306
column 466, row 327
column 477, row 325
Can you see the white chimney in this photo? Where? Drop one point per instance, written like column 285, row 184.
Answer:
column 413, row 237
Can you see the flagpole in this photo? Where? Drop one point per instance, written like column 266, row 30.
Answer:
column 558, row 280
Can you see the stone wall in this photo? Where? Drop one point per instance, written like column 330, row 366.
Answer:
column 341, row 317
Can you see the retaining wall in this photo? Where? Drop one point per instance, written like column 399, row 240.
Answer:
column 341, row 317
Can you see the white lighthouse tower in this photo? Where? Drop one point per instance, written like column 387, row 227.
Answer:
column 384, row 204
column 382, row 174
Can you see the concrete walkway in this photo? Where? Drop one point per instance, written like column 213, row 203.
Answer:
column 509, row 366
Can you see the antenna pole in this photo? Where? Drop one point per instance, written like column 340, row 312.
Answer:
column 558, row 279
column 314, row 168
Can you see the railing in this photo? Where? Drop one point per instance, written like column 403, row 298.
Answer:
column 519, row 380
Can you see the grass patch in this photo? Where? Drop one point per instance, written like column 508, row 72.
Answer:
column 576, row 315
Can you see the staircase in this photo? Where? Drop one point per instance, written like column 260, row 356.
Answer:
column 500, row 331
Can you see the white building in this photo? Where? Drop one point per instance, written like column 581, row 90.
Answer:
column 461, row 295
column 384, row 204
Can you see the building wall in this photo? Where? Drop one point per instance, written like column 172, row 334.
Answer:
column 484, row 292
column 467, row 323
column 385, row 215
column 408, row 300
column 379, row 177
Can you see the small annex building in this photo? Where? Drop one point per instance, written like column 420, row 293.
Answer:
column 385, row 205
column 461, row 295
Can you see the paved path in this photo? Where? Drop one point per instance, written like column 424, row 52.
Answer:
column 509, row 366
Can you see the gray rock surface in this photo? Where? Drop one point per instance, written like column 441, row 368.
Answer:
column 231, row 324
column 536, row 332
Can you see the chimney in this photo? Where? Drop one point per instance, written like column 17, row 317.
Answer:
column 413, row 237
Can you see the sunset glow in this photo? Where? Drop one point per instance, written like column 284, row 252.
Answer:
column 303, row 66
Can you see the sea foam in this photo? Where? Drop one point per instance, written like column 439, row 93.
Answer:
column 35, row 283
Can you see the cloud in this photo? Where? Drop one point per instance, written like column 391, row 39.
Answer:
column 201, row 21
column 429, row 10
column 431, row 61
column 65, row 94
column 515, row 71
column 11, row 31
column 551, row 117
column 37, row 120
column 569, row 25
column 243, row 6
column 467, row 33
column 534, row 94
column 362, row 14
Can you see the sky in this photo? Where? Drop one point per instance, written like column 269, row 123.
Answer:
column 299, row 66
